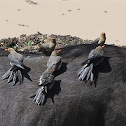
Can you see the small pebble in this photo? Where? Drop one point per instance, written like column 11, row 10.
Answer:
column 105, row 11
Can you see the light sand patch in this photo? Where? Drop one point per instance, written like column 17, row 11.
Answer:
column 83, row 18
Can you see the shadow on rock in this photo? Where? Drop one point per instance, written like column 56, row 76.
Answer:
column 103, row 67
column 62, row 69
column 54, row 91
column 25, row 73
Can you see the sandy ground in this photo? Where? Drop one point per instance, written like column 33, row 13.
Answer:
column 83, row 18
